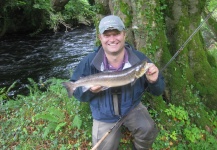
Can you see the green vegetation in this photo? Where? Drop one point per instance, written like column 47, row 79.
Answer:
column 50, row 120
column 37, row 15
column 44, row 120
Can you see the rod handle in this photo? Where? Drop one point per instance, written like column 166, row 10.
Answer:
column 100, row 141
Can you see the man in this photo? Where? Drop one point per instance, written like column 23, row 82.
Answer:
column 109, row 105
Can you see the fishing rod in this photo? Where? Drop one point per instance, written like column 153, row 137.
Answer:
column 122, row 119
column 115, row 127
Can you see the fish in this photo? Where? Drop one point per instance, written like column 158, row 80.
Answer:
column 108, row 79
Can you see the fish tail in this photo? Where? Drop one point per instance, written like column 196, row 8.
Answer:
column 69, row 87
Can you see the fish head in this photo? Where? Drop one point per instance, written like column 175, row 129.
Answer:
column 142, row 69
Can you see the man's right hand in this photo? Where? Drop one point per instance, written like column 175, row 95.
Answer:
column 96, row 89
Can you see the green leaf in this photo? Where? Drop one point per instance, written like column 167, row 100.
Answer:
column 25, row 131
column 60, row 125
column 36, row 6
column 56, row 112
column 77, row 122
column 46, row 132
column 47, row 117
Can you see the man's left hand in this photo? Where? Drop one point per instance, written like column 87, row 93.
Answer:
column 152, row 73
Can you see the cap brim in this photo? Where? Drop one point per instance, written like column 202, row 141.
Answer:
column 111, row 28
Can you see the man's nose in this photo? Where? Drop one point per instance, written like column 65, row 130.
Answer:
column 112, row 37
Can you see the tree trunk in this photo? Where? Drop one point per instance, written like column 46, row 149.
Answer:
column 193, row 63
column 159, row 29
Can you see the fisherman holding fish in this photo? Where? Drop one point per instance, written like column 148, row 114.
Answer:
column 113, row 79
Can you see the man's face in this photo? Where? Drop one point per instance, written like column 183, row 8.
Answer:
column 113, row 41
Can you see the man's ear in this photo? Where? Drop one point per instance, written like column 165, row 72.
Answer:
column 125, row 35
column 99, row 36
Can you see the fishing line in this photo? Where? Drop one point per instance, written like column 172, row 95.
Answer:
column 119, row 123
column 190, row 37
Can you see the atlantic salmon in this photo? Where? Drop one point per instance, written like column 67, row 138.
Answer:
column 108, row 79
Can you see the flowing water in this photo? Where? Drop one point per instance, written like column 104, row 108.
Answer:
column 45, row 56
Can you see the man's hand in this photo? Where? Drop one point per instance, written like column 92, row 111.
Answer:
column 152, row 73
column 96, row 89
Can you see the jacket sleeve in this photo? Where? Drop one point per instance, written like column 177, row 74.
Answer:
column 157, row 87
column 83, row 69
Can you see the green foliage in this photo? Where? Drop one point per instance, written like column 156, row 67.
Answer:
column 77, row 122
column 179, row 132
column 50, row 120
column 177, row 112
column 39, row 14
column 211, row 4
column 55, row 119
column 44, row 120
column 79, row 10
column 4, row 93
column 42, row 4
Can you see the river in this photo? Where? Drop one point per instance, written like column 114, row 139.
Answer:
column 42, row 57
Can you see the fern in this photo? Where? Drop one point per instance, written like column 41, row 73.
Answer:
column 56, row 112
column 48, row 117
column 59, row 126
column 77, row 122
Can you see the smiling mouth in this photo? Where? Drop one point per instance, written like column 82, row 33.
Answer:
column 113, row 44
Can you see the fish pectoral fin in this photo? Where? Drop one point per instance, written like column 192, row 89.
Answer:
column 84, row 88
column 104, row 88
column 133, row 81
